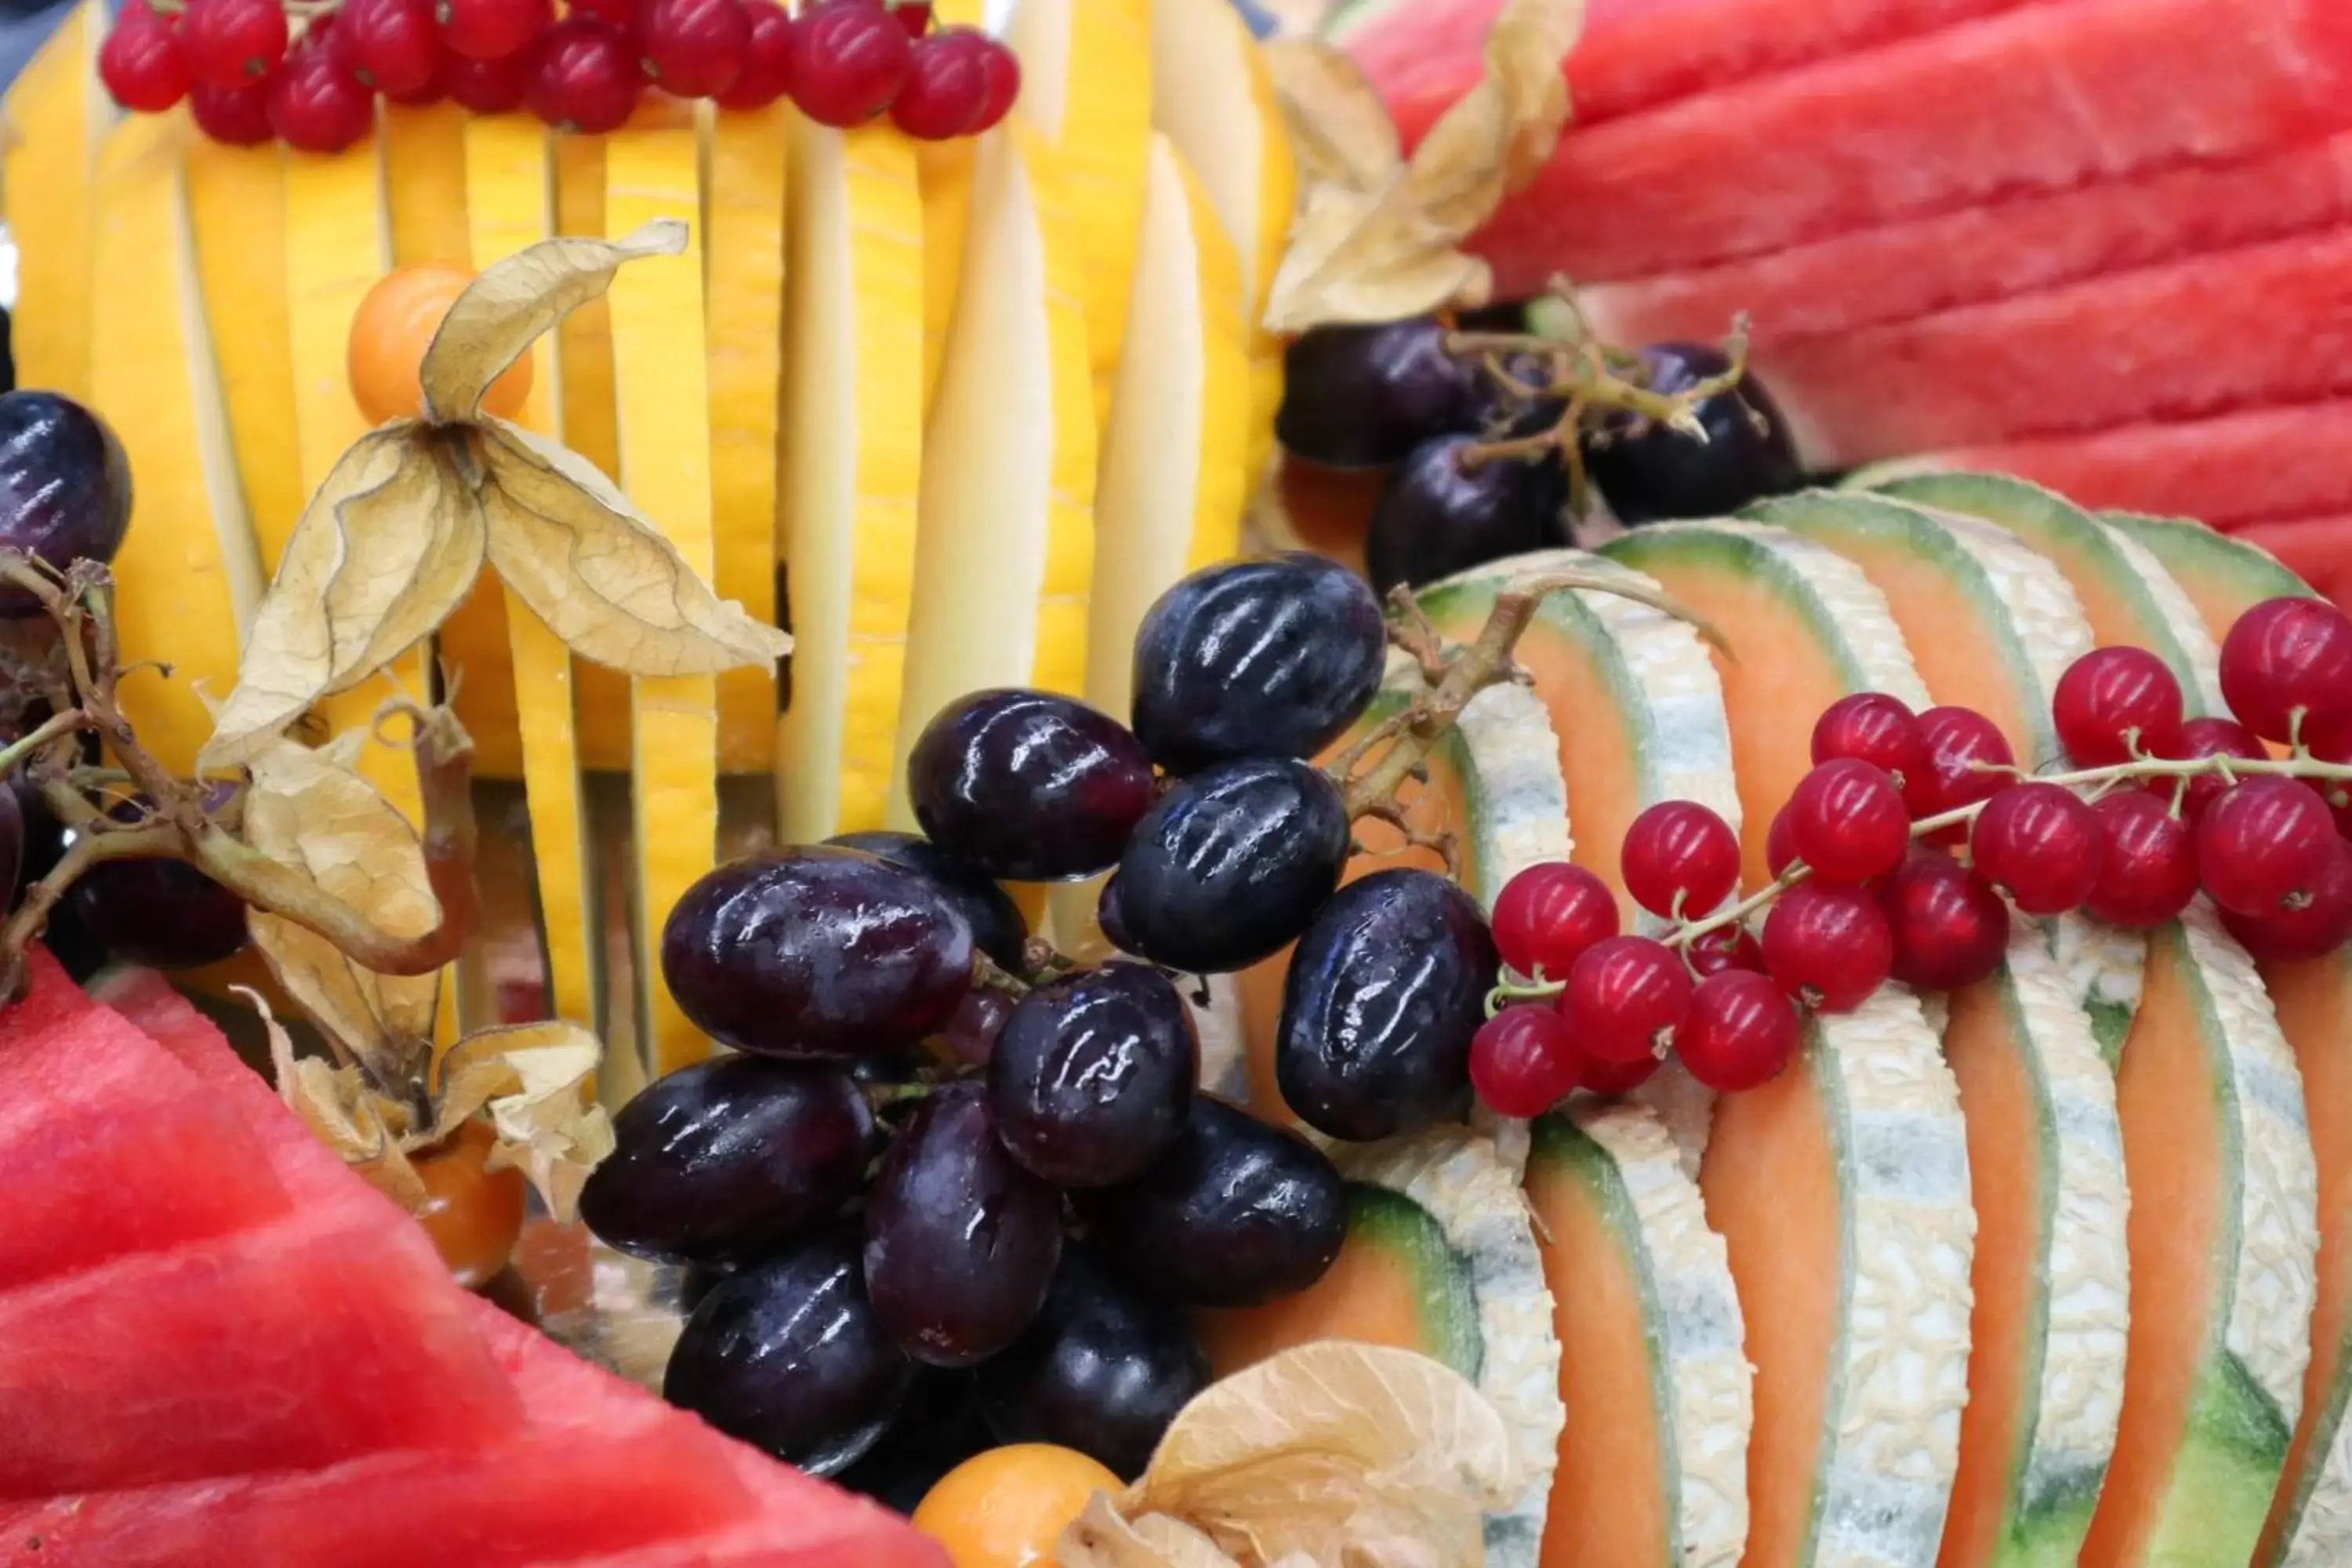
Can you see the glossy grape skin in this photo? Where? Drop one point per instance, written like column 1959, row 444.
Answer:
column 1646, row 471
column 938, row 1428
column 1439, row 513
column 1028, row 786
column 1092, row 1075
column 1104, row 1369
column 1385, row 991
column 816, row 950
column 1361, row 396
column 1270, row 657
column 1231, row 865
column 725, row 1160
column 997, row 923
column 65, row 486
column 163, row 913
column 960, row 1241
column 1237, row 1214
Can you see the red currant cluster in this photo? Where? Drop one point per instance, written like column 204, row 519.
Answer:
column 1901, row 853
column 309, row 74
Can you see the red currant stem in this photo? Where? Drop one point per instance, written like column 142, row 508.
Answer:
column 1512, row 988
column 1794, row 872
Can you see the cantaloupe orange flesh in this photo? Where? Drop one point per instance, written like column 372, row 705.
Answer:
column 1957, row 658
column 1604, row 1514
column 2315, row 1009
column 2163, row 1094
column 2006, row 1180
column 1770, row 1179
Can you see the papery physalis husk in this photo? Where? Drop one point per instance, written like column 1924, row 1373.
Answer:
column 394, row 539
column 367, row 1132
column 532, row 1079
column 1378, row 237
column 1330, row 1452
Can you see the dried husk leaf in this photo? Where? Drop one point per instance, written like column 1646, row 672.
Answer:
column 1099, row 1538
column 1340, row 132
column 335, row 1104
column 532, row 1079
column 502, row 312
column 390, row 545
column 598, row 572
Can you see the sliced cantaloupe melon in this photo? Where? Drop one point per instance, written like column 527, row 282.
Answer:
column 1439, row 1258
column 854, row 453
column 2224, row 1237
column 662, row 388
column 1806, row 627
column 2223, row 576
column 56, row 120
column 1004, row 548
column 1653, row 1369
column 511, row 204
column 1168, row 491
column 191, row 579
column 743, row 155
column 1841, row 1189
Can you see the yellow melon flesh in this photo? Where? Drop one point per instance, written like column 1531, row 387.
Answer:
column 946, row 175
column 57, row 118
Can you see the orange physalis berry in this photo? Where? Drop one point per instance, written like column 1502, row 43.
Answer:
column 472, row 1212
column 389, row 334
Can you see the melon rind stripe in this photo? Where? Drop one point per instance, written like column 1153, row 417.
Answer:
column 1516, row 808
column 1459, row 1180
column 2321, row 1532
column 2184, row 544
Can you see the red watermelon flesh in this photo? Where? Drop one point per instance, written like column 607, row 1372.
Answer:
column 2317, row 549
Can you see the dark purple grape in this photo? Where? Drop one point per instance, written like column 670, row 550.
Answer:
column 979, row 1018
column 816, row 950
column 12, row 843
column 726, row 1159
column 938, row 1428
column 1027, row 785
column 164, row 913
column 1104, row 1369
column 1646, row 471
column 789, row 1355
column 960, row 1242
column 1093, row 1074
column 1384, row 992
column 1269, row 657
column 1237, row 1214
column 1109, row 919
column 1443, row 512
column 65, row 486
column 1501, row 410
column 1231, row 865
column 1363, row 397
column 997, row 924
column 68, row 941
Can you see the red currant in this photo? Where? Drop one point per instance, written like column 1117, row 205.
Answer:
column 947, row 86
column 852, row 60
column 1968, row 757
column 690, row 48
column 1848, row 822
column 1613, row 1078
column 492, row 29
column 231, row 42
column 2319, row 928
column 1780, row 844
column 389, row 45
column 1624, row 997
column 1725, row 947
column 770, row 51
column 1828, row 946
column 232, row 116
column 2206, row 737
column 1548, row 914
column 142, row 63
column 1002, row 67
column 1741, row 1031
column 430, row 91
column 1871, row 727
column 1949, row 928
column 580, row 76
column 1523, row 1061
column 915, row 15
column 616, row 12
column 2147, row 872
column 2286, row 657
column 486, row 87
column 2039, row 844
column 2115, row 703
column 2263, row 844
column 316, row 106
column 1680, row 859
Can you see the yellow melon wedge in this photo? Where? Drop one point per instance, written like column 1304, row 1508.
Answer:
column 57, row 118
column 945, row 171
column 662, row 389
column 853, row 456
column 743, row 158
column 187, row 576
column 1007, row 545
column 510, row 183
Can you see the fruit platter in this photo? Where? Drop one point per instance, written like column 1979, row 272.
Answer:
column 1177, row 783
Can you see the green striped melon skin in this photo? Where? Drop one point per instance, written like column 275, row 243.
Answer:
column 2191, row 551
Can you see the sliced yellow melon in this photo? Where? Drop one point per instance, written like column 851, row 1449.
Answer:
column 946, row 174
column 188, row 577
column 1006, row 544
column 56, row 120
column 853, row 457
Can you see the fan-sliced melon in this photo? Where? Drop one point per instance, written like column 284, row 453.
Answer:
column 2222, row 575
column 1439, row 1258
column 1654, row 1371
column 1005, row 544
column 945, row 170
column 854, row 451
column 1841, row 1189
column 56, row 120
column 237, row 198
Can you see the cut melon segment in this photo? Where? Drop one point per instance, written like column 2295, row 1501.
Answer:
column 1653, row 1374
column 854, row 451
column 2224, row 1238
column 57, row 118
column 1841, row 1189
column 946, row 179
column 2224, row 576
column 1439, row 1258
column 1005, row 545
